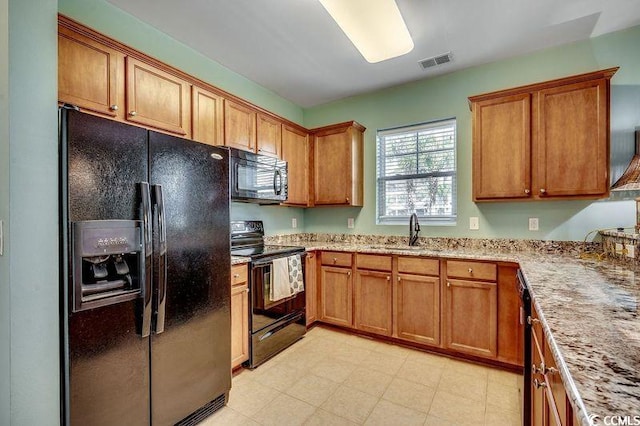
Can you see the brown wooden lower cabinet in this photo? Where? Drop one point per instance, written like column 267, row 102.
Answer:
column 417, row 313
column 549, row 403
column 336, row 296
column 470, row 317
column 373, row 310
column 239, row 315
column 310, row 288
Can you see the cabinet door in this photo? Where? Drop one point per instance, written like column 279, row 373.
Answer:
column 418, row 308
column 90, row 75
column 572, row 153
column 373, row 302
column 510, row 328
column 471, row 317
column 502, row 148
column 537, row 390
column 207, row 116
column 556, row 395
column 239, row 325
column 239, row 126
column 157, row 99
column 336, row 296
column 269, row 135
column 310, row 287
column 295, row 151
column 338, row 166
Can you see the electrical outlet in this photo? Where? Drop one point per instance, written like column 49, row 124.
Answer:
column 351, row 223
column 294, row 222
column 631, row 250
column 474, row 224
column 533, row 224
column 619, row 248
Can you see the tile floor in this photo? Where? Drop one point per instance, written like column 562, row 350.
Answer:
column 333, row 378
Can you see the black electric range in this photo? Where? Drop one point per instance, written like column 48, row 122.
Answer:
column 274, row 324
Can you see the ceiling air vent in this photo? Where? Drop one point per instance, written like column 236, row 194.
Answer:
column 435, row 60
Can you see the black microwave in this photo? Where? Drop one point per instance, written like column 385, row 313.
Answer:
column 257, row 178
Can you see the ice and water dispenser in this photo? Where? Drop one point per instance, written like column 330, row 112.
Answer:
column 108, row 262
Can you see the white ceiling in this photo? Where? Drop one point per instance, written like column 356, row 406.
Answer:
column 295, row 49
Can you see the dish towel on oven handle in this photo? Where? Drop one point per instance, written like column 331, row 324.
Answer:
column 296, row 278
column 287, row 278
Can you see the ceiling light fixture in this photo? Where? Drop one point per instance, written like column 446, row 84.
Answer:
column 375, row 27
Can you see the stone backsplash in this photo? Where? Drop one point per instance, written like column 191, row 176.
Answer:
column 501, row 245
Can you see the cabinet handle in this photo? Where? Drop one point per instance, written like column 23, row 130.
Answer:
column 543, row 191
column 550, row 370
column 539, row 384
column 236, row 275
column 133, row 113
column 538, row 370
column 532, row 321
column 471, row 270
column 527, row 191
column 246, row 290
column 113, row 107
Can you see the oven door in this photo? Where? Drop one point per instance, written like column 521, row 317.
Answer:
column 264, row 311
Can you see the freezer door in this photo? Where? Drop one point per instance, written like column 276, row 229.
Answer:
column 190, row 344
column 104, row 354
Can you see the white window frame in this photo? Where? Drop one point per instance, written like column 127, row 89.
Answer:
column 437, row 220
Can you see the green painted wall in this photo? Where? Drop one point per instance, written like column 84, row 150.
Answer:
column 5, row 291
column 32, row 248
column 446, row 96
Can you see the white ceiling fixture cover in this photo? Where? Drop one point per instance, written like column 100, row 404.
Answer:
column 376, row 28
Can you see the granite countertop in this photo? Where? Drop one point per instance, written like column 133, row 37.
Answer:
column 237, row 260
column 588, row 308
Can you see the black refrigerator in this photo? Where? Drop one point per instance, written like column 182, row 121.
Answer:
column 145, row 303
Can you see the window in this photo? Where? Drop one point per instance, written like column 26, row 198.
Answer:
column 417, row 173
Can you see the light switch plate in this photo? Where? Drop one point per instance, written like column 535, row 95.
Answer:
column 351, row 223
column 474, row 223
column 533, row 224
column 294, row 222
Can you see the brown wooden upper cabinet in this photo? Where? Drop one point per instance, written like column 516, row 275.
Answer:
column 269, row 135
column 157, row 99
column 90, row 74
column 239, row 126
column 338, row 164
column 543, row 141
column 207, row 116
column 295, row 151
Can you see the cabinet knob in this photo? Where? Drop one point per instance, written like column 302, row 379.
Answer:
column 236, row 275
column 347, row 200
column 133, row 113
column 388, row 278
column 532, row 321
column 246, row 290
column 527, row 191
column 448, row 284
column 543, row 191
column 113, row 107
column 335, row 260
column 538, row 370
column 349, row 273
column 399, row 279
column 539, row 383
column 471, row 270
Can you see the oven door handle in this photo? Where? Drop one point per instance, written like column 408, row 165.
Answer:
column 278, row 328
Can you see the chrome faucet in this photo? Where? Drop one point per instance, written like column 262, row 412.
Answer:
column 414, row 229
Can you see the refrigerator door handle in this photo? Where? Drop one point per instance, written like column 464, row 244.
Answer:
column 146, row 278
column 162, row 260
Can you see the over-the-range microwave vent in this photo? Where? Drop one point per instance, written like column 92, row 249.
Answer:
column 435, row 60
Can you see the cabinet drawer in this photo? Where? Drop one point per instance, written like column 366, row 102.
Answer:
column 336, row 258
column 239, row 275
column 419, row 266
column 373, row 261
column 476, row 270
